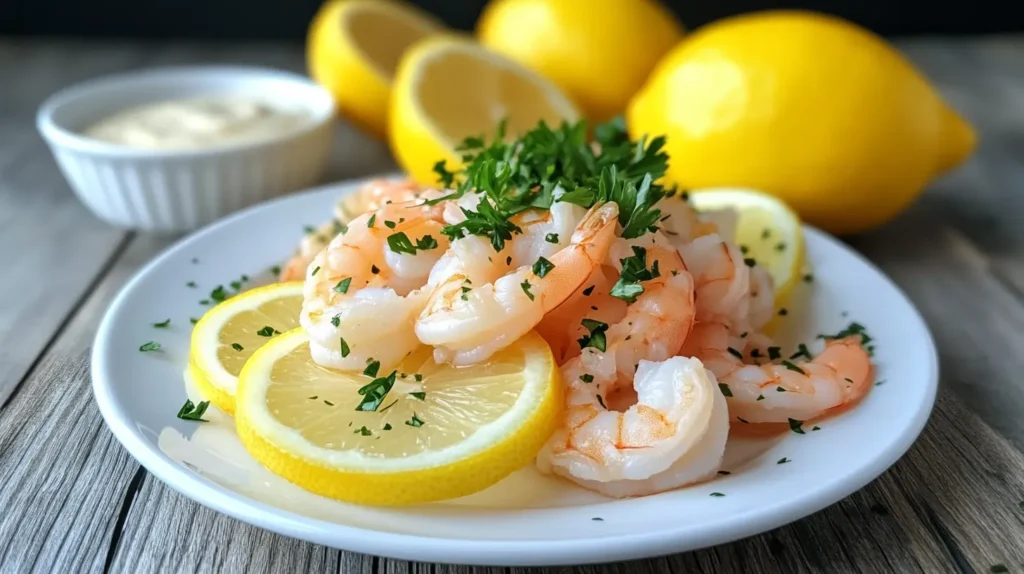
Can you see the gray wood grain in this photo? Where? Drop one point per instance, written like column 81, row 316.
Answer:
column 62, row 480
column 75, row 501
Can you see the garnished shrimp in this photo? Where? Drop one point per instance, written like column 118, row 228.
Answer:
column 774, row 392
column 674, row 434
column 363, row 293
column 562, row 328
column 368, row 197
column 467, row 322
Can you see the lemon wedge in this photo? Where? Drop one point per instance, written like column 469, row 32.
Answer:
column 449, row 88
column 767, row 231
column 353, row 48
column 425, row 432
column 227, row 335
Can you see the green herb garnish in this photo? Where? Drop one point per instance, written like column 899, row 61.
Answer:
column 162, row 324
column 375, row 391
column 193, row 412
column 343, row 285
column 344, row 347
column 414, row 421
column 596, row 338
column 266, row 331
column 372, row 368
column 237, row 347
column 149, row 346
column 542, row 266
column 634, row 271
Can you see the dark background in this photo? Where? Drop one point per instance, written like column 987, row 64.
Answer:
column 288, row 19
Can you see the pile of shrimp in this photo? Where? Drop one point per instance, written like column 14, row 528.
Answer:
column 650, row 408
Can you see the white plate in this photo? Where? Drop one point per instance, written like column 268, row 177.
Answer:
column 527, row 519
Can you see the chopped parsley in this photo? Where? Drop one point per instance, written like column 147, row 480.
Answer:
column 783, row 312
column 363, row 431
column 783, row 460
column 801, row 351
column 276, row 269
column 387, row 426
column 735, row 353
column 372, row 368
column 315, row 270
column 149, row 346
column 266, row 331
column 793, row 367
column 374, row 269
column 400, row 243
column 588, row 291
column 418, row 377
column 336, row 320
column 193, row 412
column 596, row 338
column 796, row 426
column 390, row 224
column 551, row 238
column 414, row 421
column 219, row 293
column 344, row 348
column 375, row 391
column 542, row 266
column 587, row 378
column 419, row 395
column 774, row 353
column 526, row 289
column 852, row 330
column 191, row 284
column 343, row 285
column 371, row 221
column 717, row 494
column 600, row 399
column 634, row 271
column 162, row 324
column 725, row 389
column 237, row 347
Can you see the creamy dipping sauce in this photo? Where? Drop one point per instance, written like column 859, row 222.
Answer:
column 199, row 122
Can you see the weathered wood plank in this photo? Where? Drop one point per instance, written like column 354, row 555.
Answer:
column 51, row 247
column 62, row 476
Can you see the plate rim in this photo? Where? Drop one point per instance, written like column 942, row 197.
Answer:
column 476, row 552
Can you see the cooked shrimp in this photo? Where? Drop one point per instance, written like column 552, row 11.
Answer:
column 722, row 278
column 562, row 327
column 776, row 392
column 673, row 435
column 467, row 322
column 361, row 297
column 368, row 197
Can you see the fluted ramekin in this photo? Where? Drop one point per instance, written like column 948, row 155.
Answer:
column 181, row 190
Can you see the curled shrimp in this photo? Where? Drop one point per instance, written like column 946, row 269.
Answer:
column 368, row 197
column 468, row 321
column 772, row 392
column 673, row 434
column 361, row 295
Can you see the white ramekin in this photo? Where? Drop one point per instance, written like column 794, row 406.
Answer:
column 181, row 190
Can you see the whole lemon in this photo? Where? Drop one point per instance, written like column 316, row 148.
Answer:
column 599, row 52
column 808, row 107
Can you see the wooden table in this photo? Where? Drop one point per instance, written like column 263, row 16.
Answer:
column 73, row 500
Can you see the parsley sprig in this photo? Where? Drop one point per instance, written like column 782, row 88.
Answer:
column 634, row 271
column 545, row 162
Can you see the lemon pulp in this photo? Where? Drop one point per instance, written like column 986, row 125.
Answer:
column 447, row 404
column 279, row 314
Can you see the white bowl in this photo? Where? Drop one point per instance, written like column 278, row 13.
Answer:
column 180, row 190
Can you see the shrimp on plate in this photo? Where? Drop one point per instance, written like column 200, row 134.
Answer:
column 368, row 197
column 468, row 319
column 364, row 291
column 774, row 392
column 673, row 435
column 639, row 421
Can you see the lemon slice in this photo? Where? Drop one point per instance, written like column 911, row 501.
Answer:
column 353, row 48
column 767, row 231
column 227, row 335
column 449, row 88
column 439, row 432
